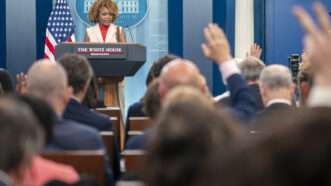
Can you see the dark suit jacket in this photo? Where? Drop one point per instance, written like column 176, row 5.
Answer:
column 243, row 102
column 70, row 135
column 138, row 142
column 274, row 114
column 276, row 107
column 80, row 113
column 255, row 91
column 135, row 110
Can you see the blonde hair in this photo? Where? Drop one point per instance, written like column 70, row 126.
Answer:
column 97, row 5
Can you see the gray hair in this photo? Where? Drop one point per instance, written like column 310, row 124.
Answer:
column 20, row 135
column 47, row 81
column 274, row 77
column 251, row 68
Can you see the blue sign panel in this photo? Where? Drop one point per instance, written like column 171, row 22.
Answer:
column 131, row 12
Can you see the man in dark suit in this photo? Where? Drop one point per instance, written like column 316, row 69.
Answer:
column 277, row 87
column 251, row 68
column 277, row 90
column 80, row 73
column 48, row 81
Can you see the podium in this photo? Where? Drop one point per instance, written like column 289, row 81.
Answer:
column 110, row 62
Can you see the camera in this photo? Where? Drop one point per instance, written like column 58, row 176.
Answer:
column 294, row 64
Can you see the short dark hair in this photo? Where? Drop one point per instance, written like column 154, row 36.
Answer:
column 157, row 66
column 20, row 136
column 78, row 69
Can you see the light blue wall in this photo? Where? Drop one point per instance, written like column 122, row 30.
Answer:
column 283, row 33
column 20, row 34
column 2, row 34
column 153, row 33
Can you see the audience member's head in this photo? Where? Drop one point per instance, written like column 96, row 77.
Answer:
column 298, row 153
column 44, row 114
column 48, row 81
column 305, row 85
column 184, row 93
column 187, row 133
column 152, row 103
column 276, row 83
column 251, row 69
column 79, row 73
column 20, row 138
column 6, row 82
column 181, row 72
column 157, row 66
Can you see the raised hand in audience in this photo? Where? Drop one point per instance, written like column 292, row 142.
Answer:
column 216, row 47
column 317, row 43
column 21, row 83
column 255, row 51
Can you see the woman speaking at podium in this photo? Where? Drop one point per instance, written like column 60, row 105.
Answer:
column 104, row 13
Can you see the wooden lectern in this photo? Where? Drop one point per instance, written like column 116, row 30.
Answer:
column 110, row 62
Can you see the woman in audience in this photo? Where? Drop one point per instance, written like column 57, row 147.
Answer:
column 136, row 109
column 152, row 102
column 152, row 107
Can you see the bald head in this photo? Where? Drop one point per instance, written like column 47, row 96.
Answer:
column 47, row 81
column 180, row 72
column 276, row 77
column 276, row 83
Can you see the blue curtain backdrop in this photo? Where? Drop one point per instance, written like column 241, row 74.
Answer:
column 152, row 32
column 2, row 34
column 278, row 30
column 224, row 13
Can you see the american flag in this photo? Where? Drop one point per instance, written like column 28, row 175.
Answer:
column 60, row 28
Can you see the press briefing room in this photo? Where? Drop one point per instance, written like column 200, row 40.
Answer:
column 165, row 92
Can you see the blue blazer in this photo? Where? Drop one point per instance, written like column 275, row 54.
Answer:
column 135, row 110
column 138, row 142
column 82, row 114
column 70, row 135
column 243, row 101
